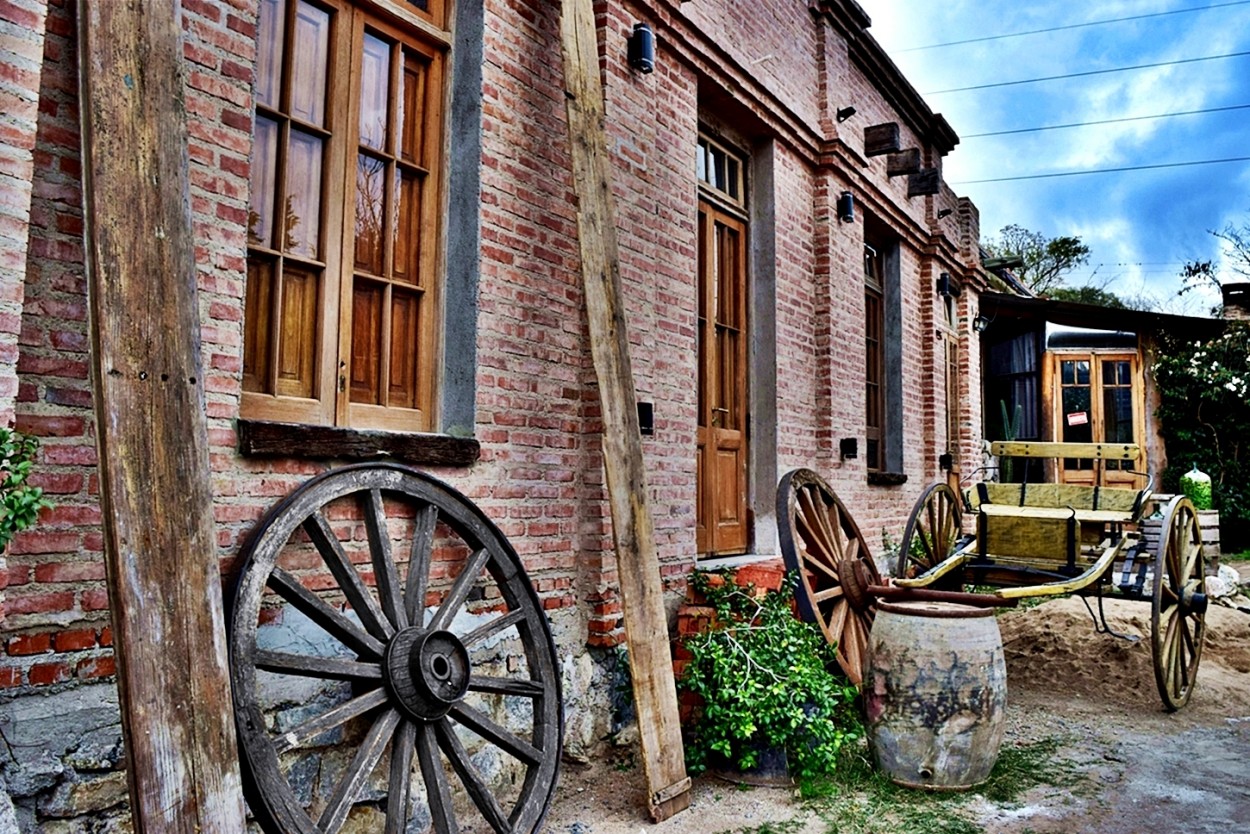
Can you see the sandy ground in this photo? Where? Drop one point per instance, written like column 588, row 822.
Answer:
column 1144, row 770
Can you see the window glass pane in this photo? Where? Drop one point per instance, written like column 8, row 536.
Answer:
column 263, row 185
column 302, row 221
column 1082, row 372
column 366, row 369
column 1076, row 401
column 375, row 91
column 1117, row 415
column 297, row 349
column 423, row 5
column 370, row 213
column 269, row 43
column 700, row 161
column 257, row 314
column 405, row 307
column 1068, row 373
column 412, row 117
column 408, row 231
column 309, row 64
column 732, row 182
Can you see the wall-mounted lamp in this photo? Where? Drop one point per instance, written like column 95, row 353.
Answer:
column 980, row 323
column 1010, row 262
column 845, row 113
column 848, row 447
column 947, row 212
column 642, row 48
column 947, row 286
column 945, row 461
column 846, row 207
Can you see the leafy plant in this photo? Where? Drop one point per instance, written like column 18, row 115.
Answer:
column 763, row 676
column 22, row 502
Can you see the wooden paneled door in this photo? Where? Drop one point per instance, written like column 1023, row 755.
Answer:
column 1098, row 398
column 722, row 432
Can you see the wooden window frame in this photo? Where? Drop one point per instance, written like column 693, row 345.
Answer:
column 425, row 33
column 875, row 416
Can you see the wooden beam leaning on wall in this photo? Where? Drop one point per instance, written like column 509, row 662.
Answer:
column 151, row 433
column 642, row 591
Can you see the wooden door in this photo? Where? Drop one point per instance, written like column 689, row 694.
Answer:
column 1099, row 399
column 722, row 430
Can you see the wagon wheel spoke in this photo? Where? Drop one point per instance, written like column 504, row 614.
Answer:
column 471, row 779
column 408, row 686
column 316, row 609
column 358, row 771
column 419, row 564
column 350, row 583
column 384, row 568
column 330, row 719
column 403, row 746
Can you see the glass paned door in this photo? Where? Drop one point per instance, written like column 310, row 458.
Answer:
column 1099, row 400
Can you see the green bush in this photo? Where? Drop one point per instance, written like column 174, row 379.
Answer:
column 1205, row 414
column 22, row 502
column 765, row 681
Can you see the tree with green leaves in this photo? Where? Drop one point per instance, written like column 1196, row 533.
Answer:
column 1046, row 260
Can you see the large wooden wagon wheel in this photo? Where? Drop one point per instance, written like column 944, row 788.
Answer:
column 934, row 531
column 1178, row 610
column 821, row 542
column 392, row 667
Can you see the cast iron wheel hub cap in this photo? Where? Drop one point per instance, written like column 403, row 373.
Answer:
column 427, row 672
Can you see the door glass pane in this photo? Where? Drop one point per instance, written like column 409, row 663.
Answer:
column 309, row 59
column 1117, row 414
column 303, row 200
column 370, row 213
column 269, row 43
column 374, row 92
column 263, row 184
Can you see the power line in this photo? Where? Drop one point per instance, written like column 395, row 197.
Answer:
column 1107, row 121
column 1106, row 170
column 1089, row 72
column 1073, row 26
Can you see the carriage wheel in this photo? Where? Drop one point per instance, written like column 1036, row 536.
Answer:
column 821, row 542
column 932, row 534
column 1178, row 611
column 356, row 704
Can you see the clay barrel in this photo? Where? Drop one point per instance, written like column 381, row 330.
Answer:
column 935, row 693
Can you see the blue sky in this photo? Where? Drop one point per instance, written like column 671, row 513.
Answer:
column 1140, row 225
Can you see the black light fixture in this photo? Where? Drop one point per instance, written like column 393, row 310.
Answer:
column 946, row 212
column 980, row 323
column 848, row 448
column 947, row 286
column 845, row 113
column 846, row 207
column 642, row 48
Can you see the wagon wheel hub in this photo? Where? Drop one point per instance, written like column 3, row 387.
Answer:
column 1192, row 600
column 855, row 582
column 427, row 672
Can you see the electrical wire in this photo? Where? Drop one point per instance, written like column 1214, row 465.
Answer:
column 1105, row 170
column 1089, row 73
column 1106, row 121
column 1073, row 26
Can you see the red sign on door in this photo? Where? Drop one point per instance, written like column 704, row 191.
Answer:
column 1078, row 418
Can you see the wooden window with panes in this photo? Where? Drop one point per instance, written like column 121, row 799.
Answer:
column 342, row 302
column 874, row 359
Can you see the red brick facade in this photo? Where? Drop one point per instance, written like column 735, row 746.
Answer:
column 773, row 95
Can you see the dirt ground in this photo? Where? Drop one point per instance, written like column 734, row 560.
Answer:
column 1142, row 769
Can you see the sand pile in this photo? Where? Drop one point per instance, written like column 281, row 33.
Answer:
column 1052, row 651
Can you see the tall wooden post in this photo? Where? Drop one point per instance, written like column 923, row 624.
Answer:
column 642, row 591
column 160, row 549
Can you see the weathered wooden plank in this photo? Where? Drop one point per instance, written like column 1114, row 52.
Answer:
column 924, row 181
column 267, row 439
column 882, row 139
column 160, row 547
column 1084, row 451
column 903, row 162
column 642, row 592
